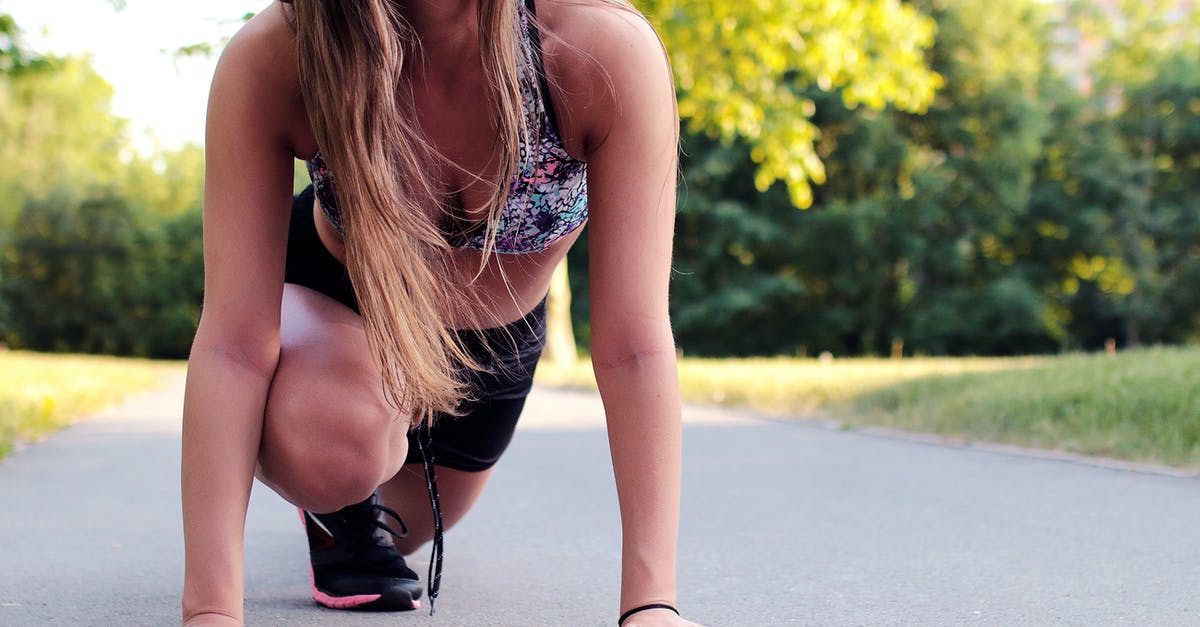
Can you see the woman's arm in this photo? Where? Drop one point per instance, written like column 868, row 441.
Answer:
column 630, row 129
column 247, row 198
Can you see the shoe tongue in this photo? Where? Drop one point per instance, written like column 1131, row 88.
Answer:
column 363, row 510
column 383, row 538
column 366, row 515
column 357, row 515
column 361, row 527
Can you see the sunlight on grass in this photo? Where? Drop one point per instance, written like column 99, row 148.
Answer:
column 1141, row 405
column 40, row 393
column 790, row 385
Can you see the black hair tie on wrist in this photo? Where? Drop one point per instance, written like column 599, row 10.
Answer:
column 642, row 608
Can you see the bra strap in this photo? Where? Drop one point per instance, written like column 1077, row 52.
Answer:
column 535, row 41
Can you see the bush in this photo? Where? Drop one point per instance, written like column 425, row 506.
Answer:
column 96, row 276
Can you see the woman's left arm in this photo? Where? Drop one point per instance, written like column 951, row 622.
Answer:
column 632, row 162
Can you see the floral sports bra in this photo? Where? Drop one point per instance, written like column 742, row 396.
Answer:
column 547, row 198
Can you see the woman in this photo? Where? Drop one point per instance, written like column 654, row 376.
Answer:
column 457, row 147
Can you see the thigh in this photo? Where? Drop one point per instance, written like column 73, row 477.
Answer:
column 328, row 428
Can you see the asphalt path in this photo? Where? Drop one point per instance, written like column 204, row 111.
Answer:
column 784, row 523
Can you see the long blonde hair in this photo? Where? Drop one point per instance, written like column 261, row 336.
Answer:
column 353, row 55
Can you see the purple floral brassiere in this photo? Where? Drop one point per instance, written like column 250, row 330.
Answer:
column 547, row 198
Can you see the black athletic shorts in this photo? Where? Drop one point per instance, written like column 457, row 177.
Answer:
column 475, row 439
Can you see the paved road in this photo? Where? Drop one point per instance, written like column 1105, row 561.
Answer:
column 785, row 524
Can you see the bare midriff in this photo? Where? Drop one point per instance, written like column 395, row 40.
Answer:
column 510, row 285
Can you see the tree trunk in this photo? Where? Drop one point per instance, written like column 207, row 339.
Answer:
column 560, row 339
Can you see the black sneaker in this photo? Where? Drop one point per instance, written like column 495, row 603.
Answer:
column 355, row 564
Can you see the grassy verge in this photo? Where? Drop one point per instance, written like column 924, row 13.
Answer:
column 1139, row 405
column 787, row 385
column 40, row 393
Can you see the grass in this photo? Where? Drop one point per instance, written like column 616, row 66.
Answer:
column 41, row 393
column 790, row 386
column 1139, row 405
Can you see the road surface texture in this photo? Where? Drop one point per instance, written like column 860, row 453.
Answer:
column 784, row 523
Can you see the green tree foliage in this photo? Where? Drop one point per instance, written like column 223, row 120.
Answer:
column 97, row 276
column 1065, row 237
column 1142, row 107
column 999, row 222
column 11, row 53
column 749, row 76
column 977, row 196
column 738, row 67
column 56, row 126
column 99, row 246
column 972, row 159
column 1160, row 229
column 910, row 238
column 66, row 268
column 167, row 183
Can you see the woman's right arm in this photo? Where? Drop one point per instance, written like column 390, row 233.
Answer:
column 247, row 197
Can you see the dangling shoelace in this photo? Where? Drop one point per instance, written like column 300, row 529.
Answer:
column 425, row 444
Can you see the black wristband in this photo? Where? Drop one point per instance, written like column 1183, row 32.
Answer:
column 648, row 606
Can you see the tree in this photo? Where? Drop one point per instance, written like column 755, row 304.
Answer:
column 749, row 76
column 57, row 131
column 100, row 246
column 12, row 54
column 741, row 69
column 1160, row 226
column 1147, row 48
column 100, row 275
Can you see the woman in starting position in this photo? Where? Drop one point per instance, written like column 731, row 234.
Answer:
column 366, row 347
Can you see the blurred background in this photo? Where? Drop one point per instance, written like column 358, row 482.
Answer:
column 860, row 178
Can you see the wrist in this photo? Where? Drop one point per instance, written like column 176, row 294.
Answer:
column 648, row 607
column 211, row 619
column 647, row 582
column 212, row 580
column 630, row 600
column 206, row 605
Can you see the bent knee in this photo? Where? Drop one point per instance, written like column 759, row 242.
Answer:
column 323, row 455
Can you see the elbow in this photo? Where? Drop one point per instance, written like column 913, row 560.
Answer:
column 631, row 355
column 631, row 342
column 255, row 353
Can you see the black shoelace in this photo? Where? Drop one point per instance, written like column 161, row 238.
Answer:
column 425, row 444
column 377, row 508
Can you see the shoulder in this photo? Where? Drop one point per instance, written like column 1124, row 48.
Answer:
column 264, row 47
column 604, row 57
column 602, row 28
column 257, row 78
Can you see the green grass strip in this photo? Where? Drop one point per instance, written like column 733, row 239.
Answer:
column 1138, row 405
column 789, row 385
column 41, row 393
